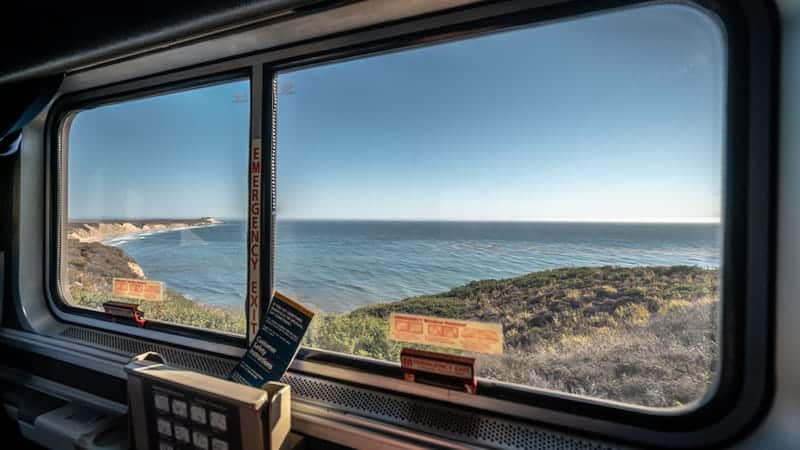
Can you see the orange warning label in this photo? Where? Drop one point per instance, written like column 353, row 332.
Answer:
column 464, row 335
column 138, row 289
column 438, row 367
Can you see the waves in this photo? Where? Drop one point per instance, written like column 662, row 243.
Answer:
column 340, row 265
column 118, row 240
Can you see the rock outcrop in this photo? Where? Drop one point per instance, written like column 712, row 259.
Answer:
column 91, row 265
column 95, row 231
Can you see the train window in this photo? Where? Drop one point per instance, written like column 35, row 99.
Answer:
column 156, row 200
column 546, row 199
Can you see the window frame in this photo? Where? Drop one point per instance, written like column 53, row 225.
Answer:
column 64, row 111
column 740, row 272
column 744, row 382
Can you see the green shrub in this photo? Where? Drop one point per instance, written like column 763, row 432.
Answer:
column 357, row 335
column 634, row 314
column 636, row 292
column 606, row 291
column 175, row 308
column 601, row 331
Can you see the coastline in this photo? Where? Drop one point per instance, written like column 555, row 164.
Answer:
column 117, row 240
column 92, row 265
column 106, row 231
column 564, row 329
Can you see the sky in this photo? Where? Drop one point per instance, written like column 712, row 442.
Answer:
column 613, row 117
column 182, row 155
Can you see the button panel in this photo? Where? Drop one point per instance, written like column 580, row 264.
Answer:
column 186, row 421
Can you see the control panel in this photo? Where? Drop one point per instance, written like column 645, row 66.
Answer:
column 174, row 409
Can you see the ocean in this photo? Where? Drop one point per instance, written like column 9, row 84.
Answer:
column 337, row 266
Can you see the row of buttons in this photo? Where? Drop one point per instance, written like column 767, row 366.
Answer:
column 180, row 409
column 181, row 434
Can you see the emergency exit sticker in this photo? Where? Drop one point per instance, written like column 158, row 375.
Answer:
column 480, row 337
column 254, row 237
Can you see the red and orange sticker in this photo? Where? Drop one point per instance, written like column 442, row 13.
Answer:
column 481, row 337
column 438, row 364
column 137, row 289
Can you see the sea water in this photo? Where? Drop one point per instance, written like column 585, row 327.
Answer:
column 341, row 265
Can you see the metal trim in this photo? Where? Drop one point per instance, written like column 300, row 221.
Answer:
column 285, row 30
column 62, row 391
column 62, row 350
column 330, row 428
column 59, row 117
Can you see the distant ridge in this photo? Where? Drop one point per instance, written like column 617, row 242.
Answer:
column 100, row 230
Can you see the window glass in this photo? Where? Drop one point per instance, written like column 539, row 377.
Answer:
column 560, row 183
column 157, row 200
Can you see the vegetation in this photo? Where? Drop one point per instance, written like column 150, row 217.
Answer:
column 541, row 307
column 669, row 361
column 175, row 308
column 91, row 266
column 644, row 335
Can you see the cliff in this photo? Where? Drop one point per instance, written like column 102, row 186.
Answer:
column 91, row 266
column 100, row 230
column 643, row 335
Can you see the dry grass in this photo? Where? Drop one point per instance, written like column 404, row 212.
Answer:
column 644, row 335
column 668, row 361
column 91, row 266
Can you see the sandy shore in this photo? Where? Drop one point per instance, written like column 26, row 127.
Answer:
column 102, row 231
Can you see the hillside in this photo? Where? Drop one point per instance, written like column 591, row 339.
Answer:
column 91, row 266
column 543, row 306
column 644, row 335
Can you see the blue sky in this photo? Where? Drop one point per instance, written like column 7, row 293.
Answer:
column 182, row 155
column 610, row 117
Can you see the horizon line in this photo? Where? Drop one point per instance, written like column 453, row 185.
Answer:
column 553, row 220
column 635, row 220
